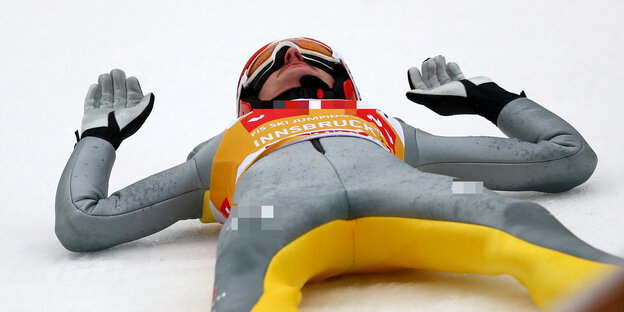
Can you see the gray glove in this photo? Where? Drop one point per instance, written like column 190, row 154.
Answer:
column 443, row 89
column 115, row 108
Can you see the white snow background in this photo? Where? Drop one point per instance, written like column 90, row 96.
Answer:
column 566, row 55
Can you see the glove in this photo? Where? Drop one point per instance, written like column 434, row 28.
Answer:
column 444, row 89
column 115, row 108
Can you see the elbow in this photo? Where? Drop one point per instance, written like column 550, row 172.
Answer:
column 70, row 240
column 575, row 170
column 70, row 236
column 72, row 229
column 586, row 163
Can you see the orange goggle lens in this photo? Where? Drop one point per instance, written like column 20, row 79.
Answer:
column 305, row 46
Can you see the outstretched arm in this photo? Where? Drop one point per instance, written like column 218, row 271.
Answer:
column 543, row 152
column 87, row 219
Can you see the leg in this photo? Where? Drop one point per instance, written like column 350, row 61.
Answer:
column 303, row 189
column 407, row 218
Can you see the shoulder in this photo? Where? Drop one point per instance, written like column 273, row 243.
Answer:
column 207, row 147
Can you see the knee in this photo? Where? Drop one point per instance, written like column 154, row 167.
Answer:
column 519, row 212
column 530, row 220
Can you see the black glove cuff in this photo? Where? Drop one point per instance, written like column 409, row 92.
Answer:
column 110, row 133
column 489, row 99
column 113, row 134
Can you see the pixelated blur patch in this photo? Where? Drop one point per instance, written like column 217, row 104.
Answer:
column 279, row 104
column 252, row 218
column 315, row 105
column 467, row 187
column 351, row 105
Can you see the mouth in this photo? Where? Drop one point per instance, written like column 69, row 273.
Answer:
column 291, row 65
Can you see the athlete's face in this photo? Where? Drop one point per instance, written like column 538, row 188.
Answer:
column 289, row 75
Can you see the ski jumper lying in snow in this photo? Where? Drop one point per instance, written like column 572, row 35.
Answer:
column 310, row 185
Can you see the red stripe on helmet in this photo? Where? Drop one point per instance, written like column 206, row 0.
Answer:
column 251, row 60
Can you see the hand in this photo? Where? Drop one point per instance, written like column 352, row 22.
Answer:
column 115, row 108
column 443, row 88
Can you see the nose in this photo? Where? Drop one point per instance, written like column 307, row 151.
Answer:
column 292, row 54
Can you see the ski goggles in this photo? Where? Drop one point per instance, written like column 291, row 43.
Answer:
column 271, row 57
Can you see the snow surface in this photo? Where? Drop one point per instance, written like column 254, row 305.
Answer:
column 567, row 55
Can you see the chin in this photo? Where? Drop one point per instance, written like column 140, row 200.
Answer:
column 288, row 79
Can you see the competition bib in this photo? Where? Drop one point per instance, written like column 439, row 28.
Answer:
column 264, row 130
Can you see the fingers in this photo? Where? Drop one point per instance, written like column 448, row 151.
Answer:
column 119, row 88
column 454, row 71
column 114, row 91
column 415, row 80
column 133, row 90
column 429, row 75
column 441, row 73
column 105, row 81
column 435, row 72
column 93, row 96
